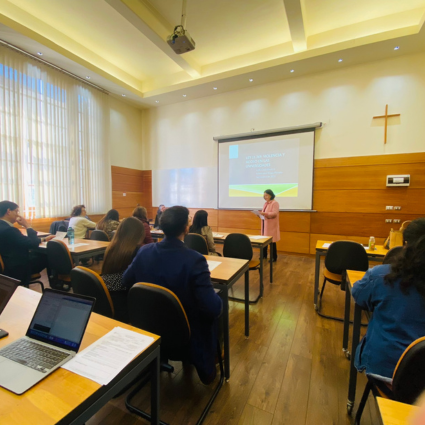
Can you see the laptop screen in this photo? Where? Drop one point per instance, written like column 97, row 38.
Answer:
column 7, row 288
column 61, row 319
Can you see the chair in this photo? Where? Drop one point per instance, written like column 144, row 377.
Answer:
column 33, row 279
column 197, row 243
column 408, row 378
column 87, row 282
column 156, row 309
column 342, row 256
column 391, row 254
column 62, row 228
column 99, row 235
column 238, row 245
column 60, row 264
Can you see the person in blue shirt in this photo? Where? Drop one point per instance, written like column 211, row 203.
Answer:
column 396, row 294
column 171, row 264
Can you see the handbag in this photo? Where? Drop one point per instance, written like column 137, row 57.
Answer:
column 396, row 236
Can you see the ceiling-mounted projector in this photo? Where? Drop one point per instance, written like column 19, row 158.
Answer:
column 180, row 40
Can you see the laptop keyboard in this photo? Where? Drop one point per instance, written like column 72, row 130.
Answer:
column 35, row 356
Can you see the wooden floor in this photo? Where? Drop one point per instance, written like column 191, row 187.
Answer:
column 291, row 370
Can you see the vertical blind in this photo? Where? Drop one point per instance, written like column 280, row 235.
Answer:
column 54, row 147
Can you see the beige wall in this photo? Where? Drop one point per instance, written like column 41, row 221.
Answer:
column 125, row 135
column 180, row 135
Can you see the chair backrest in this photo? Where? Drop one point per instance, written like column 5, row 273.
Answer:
column 1, row 265
column 156, row 309
column 99, row 235
column 346, row 255
column 238, row 245
column 87, row 282
column 197, row 243
column 409, row 374
column 62, row 228
column 59, row 258
column 391, row 254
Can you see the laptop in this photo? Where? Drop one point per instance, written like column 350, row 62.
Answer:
column 53, row 338
column 7, row 288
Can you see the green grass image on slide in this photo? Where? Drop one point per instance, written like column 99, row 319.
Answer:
column 260, row 188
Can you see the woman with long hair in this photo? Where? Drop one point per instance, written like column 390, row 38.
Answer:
column 200, row 226
column 118, row 256
column 109, row 222
column 396, row 294
column 142, row 214
column 161, row 209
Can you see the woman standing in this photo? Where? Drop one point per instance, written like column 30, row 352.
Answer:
column 270, row 224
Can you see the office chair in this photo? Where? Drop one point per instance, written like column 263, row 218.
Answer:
column 33, row 278
column 99, row 235
column 157, row 310
column 342, row 256
column 62, row 228
column 408, row 379
column 197, row 243
column 238, row 245
column 392, row 254
column 60, row 264
column 87, row 282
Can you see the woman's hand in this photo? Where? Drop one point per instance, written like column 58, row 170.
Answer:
column 265, row 214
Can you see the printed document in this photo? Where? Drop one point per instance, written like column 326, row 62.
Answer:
column 213, row 264
column 258, row 214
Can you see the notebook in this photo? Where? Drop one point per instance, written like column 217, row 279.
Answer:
column 54, row 337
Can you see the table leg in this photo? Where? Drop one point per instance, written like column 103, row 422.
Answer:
column 155, row 390
column 247, row 303
column 346, row 321
column 271, row 262
column 316, row 279
column 225, row 298
column 353, row 371
column 261, row 271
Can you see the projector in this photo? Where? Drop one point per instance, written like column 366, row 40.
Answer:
column 180, row 41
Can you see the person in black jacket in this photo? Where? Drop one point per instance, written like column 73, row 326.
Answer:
column 19, row 262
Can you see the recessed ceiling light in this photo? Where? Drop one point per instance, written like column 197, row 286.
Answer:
column 292, row 70
column 339, row 60
column 123, row 95
column 39, row 54
column 215, row 88
column 184, row 95
column 156, row 101
column 251, row 80
column 396, row 47
column 88, row 77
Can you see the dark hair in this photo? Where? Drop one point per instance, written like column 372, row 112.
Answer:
column 121, row 249
column 200, row 220
column 409, row 265
column 7, row 205
column 270, row 192
column 174, row 221
column 110, row 215
column 141, row 213
column 76, row 211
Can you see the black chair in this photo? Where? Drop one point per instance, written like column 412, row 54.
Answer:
column 197, row 243
column 87, row 282
column 342, row 256
column 60, row 264
column 62, row 228
column 99, row 235
column 408, row 379
column 391, row 254
column 158, row 310
column 238, row 245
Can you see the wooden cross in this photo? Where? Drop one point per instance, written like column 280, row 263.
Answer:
column 386, row 116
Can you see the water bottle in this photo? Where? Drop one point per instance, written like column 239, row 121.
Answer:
column 70, row 234
column 372, row 243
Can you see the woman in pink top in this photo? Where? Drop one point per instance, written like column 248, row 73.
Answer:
column 270, row 224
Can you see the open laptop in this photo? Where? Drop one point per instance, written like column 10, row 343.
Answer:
column 53, row 338
column 7, row 288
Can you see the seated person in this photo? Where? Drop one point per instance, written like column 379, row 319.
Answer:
column 200, row 226
column 186, row 274
column 142, row 214
column 118, row 257
column 161, row 209
column 396, row 295
column 19, row 262
column 109, row 223
column 79, row 223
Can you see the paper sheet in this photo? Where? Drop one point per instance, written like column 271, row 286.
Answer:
column 158, row 232
column 258, row 214
column 71, row 247
column 257, row 237
column 326, row 245
column 213, row 264
column 59, row 236
column 105, row 358
column 217, row 235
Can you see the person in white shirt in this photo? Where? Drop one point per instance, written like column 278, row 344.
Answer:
column 79, row 223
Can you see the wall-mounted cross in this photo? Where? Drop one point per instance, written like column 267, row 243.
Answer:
column 386, row 116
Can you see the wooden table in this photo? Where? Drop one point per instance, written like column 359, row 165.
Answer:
column 260, row 243
column 224, row 277
column 39, row 234
column 64, row 397
column 395, row 413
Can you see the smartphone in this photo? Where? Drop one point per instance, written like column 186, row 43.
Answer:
column 3, row 333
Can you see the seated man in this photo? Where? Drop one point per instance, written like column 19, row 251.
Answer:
column 185, row 272
column 19, row 262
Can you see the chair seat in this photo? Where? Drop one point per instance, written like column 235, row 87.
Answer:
column 332, row 277
column 35, row 276
column 253, row 264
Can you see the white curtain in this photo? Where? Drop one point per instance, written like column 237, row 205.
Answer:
column 54, row 147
